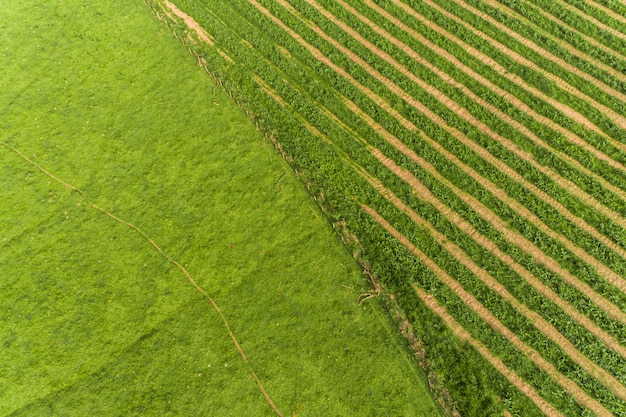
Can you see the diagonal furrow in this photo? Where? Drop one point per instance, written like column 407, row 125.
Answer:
column 490, row 62
column 606, row 272
column 469, row 300
column 572, row 138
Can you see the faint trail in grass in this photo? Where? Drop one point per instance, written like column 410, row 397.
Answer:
column 165, row 255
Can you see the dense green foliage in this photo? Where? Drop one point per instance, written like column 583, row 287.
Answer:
column 330, row 145
column 94, row 320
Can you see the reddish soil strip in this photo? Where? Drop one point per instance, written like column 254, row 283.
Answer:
column 610, row 275
column 485, row 59
column 317, row 54
column 564, row 85
column 268, row 90
column 191, row 23
column 496, row 362
column 529, row 247
column 512, row 236
column 486, row 315
column 166, row 256
column 591, row 19
column 548, row 16
column 425, row 194
column 572, row 138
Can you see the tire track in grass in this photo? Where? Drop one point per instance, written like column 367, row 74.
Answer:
column 493, row 64
column 513, row 237
column 167, row 257
column 611, row 276
column 572, row 138
column 569, row 386
column 616, row 118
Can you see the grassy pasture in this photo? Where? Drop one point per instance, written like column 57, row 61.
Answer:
column 479, row 167
column 94, row 321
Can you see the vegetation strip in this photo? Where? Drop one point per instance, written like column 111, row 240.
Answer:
column 166, row 256
column 608, row 274
column 488, row 317
column 570, row 136
column 538, row 254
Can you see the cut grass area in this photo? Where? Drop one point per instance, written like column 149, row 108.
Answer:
column 94, row 320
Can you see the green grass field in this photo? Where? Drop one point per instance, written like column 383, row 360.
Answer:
column 93, row 319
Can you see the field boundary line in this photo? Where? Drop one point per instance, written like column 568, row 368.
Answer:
column 612, row 277
column 535, row 318
column 165, row 255
column 572, row 388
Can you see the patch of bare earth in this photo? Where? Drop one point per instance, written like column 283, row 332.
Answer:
column 191, row 23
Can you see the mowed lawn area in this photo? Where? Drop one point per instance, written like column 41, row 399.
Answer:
column 94, row 320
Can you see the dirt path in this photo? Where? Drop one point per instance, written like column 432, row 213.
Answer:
column 167, row 257
column 571, row 137
column 566, row 184
column 610, row 12
column 591, row 19
column 519, row 240
column 610, row 275
column 191, row 23
column 486, row 60
column 538, row 321
column 569, row 386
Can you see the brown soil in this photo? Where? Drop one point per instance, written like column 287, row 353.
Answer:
column 191, row 23
column 610, row 12
column 539, row 322
column 572, row 138
column 569, row 386
column 502, row 227
column 496, row 362
column 611, row 309
column 268, row 90
column 611, row 276
column 560, row 23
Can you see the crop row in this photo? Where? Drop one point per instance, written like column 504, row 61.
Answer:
column 447, row 113
column 337, row 182
column 463, row 154
column 572, row 37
